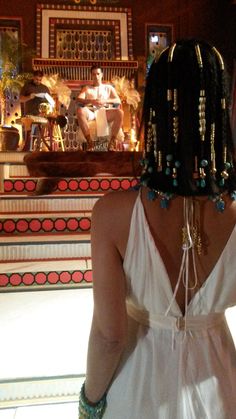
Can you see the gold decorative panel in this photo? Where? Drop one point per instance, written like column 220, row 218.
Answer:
column 84, row 44
column 54, row 17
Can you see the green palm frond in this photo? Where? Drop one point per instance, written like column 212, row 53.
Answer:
column 14, row 84
column 13, row 52
column 12, row 55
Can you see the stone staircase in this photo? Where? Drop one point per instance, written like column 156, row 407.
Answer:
column 45, row 240
column 45, row 245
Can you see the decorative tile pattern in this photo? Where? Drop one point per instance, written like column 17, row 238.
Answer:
column 71, row 39
column 45, row 239
column 47, row 12
column 47, row 280
column 82, row 185
column 40, row 225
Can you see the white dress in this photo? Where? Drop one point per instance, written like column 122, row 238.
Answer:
column 172, row 370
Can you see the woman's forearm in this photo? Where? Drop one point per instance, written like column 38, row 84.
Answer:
column 102, row 361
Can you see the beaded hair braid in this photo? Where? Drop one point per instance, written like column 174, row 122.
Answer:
column 172, row 100
column 202, row 118
column 163, row 165
column 227, row 161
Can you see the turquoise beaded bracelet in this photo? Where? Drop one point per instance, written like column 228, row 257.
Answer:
column 87, row 410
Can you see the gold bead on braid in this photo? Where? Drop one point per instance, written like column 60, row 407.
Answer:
column 202, row 98
column 226, row 164
column 175, row 117
column 170, row 58
column 171, row 52
column 159, row 164
column 149, row 133
column 222, row 67
column 220, row 59
column 213, row 154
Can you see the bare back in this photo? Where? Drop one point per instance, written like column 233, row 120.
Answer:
column 166, row 228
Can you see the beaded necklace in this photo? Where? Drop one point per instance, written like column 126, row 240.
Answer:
column 166, row 197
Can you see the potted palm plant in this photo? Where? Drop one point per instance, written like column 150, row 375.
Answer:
column 12, row 53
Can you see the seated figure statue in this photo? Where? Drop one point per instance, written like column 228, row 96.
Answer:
column 99, row 102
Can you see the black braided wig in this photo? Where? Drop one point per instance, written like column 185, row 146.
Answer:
column 183, row 75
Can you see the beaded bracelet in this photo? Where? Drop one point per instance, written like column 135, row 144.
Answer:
column 87, row 410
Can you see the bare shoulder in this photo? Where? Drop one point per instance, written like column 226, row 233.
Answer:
column 113, row 211
column 115, row 203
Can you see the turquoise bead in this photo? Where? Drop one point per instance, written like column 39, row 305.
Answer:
column 220, row 205
column 204, row 163
column 164, row 203
column 167, row 171
column 151, row 195
column 144, row 182
column 202, row 183
column 233, row 195
column 169, row 157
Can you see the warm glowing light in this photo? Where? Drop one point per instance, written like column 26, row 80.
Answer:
column 90, row 1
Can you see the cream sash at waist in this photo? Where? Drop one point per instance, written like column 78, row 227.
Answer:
column 176, row 324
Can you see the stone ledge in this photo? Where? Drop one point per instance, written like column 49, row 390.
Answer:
column 39, row 390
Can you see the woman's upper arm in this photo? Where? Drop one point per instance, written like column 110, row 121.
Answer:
column 109, row 285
